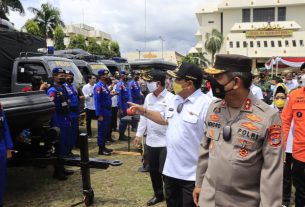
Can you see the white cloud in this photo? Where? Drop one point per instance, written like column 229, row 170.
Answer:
column 175, row 20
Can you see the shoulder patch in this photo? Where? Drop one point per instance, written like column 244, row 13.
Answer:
column 275, row 135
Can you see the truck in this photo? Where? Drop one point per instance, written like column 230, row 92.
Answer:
column 33, row 110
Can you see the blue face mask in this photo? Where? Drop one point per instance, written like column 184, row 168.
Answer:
column 272, row 87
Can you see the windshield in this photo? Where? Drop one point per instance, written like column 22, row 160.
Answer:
column 98, row 66
column 70, row 66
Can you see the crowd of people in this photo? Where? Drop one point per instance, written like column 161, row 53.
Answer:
column 213, row 138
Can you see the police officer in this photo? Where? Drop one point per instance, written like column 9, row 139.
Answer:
column 74, row 109
column 102, row 100
column 61, row 119
column 122, row 91
column 5, row 153
column 134, row 89
column 241, row 155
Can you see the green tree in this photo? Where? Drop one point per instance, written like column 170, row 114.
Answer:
column 198, row 59
column 78, row 41
column 59, row 36
column 47, row 18
column 213, row 43
column 7, row 5
column 93, row 46
column 105, row 50
column 115, row 48
column 32, row 28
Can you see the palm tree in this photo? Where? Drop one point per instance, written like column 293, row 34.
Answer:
column 47, row 18
column 198, row 59
column 213, row 43
column 7, row 5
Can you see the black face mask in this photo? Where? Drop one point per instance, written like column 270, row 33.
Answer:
column 70, row 80
column 218, row 89
column 61, row 80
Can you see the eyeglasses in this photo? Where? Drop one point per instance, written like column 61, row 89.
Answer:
column 226, row 133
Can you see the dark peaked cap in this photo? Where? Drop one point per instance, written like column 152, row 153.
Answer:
column 230, row 63
column 186, row 71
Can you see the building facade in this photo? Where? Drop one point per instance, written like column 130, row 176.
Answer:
column 82, row 29
column 171, row 56
column 260, row 29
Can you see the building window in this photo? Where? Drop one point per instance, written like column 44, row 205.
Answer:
column 246, row 15
column 294, row 44
column 210, row 22
column 301, row 43
column 251, row 43
column 279, row 43
column 286, row 43
column 245, row 44
column 258, row 43
column 237, row 44
column 272, row 44
column 263, row 15
column 231, row 44
column 281, row 14
column 265, row 44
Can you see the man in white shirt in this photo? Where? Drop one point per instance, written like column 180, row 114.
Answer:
column 290, row 82
column 257, row 91
column 184, row 115
column 89, row 102
column 156, row 100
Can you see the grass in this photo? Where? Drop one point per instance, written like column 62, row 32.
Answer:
column 121, row 186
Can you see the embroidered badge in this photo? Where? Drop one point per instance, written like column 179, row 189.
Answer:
column 245, row 143
column 250, row 126
column 214, row 118
column 253, row 117
column 243, row 153
column 247, row 104
column 299, row 114
column 275, row 135
column 98, row 90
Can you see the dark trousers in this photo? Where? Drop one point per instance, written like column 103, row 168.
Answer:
column 103, row 131
column 298, row 178
column 114, row 118
column 156, row 160
column 178, row 192
column 287, row 180
column 90, row 114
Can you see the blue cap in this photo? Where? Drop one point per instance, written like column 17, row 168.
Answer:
column 123, row 72
column 58, row 70
column 69, row 72
column 103, row 72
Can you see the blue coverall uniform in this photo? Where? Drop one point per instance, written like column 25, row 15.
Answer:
column 74, row 113
column 102, row 100
column 5, row 144
column 122, row 104
column 61, row 116
column 134, row 92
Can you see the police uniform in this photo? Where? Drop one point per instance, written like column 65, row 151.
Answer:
column 134, row 92
column 241, row 155
column 5, row 144
column 102, row 100
column 74, row 111
column 61, row 118
column 122, row 91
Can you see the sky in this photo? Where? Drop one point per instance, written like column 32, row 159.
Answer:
column 174, row 20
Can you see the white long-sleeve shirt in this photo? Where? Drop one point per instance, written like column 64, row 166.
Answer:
column 156, row 134
column 89, row 101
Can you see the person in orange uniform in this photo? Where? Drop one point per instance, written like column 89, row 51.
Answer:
column 295, row 110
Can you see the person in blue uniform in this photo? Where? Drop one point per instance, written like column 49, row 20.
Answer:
column 102, row 100
column 134, row 90
column 122, row 92
column 61, row 119
column 5, row 145
column 74, row 109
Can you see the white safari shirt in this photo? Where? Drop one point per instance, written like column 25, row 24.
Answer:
column 156, row 133
column 184, row 133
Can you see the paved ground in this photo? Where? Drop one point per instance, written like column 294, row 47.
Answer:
column 117, row 186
